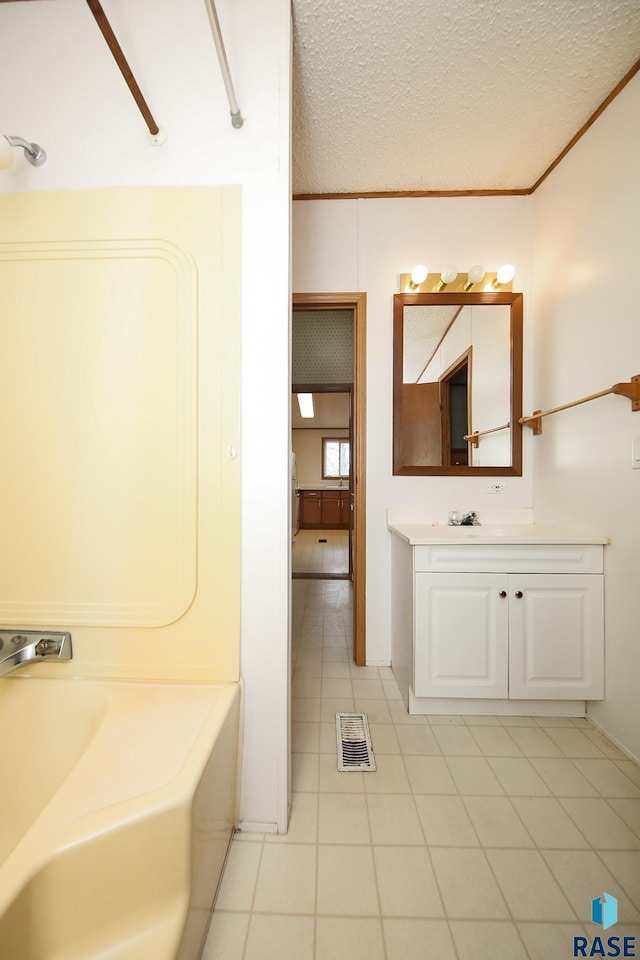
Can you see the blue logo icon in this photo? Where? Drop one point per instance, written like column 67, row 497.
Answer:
column 604, row 911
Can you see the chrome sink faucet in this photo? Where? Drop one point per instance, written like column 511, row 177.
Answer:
column 469, row 519
column 18, row 648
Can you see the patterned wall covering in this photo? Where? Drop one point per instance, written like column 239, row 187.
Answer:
column 322, row 349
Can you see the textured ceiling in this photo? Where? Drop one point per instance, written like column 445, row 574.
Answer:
column 440, row 95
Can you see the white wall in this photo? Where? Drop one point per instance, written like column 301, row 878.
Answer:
column 60, row 87
column 587, row 337
column 364, row 245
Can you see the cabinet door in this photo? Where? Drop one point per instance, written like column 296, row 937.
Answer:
column 310, row 513
column 331, row 508
column 461, row 635
column 556, row 649
column 345, row 509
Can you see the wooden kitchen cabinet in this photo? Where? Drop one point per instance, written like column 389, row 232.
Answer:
column 310, row 508
column 345, row 509
column 324, row 509
column 331, row 502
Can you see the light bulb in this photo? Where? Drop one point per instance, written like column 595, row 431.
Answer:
column 475, row 275
column 506, row 273
column 448, row 275
column 418, row 275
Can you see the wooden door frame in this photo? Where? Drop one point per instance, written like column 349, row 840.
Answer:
column 358, row 303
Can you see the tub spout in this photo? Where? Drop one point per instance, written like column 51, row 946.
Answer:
column 18, row 648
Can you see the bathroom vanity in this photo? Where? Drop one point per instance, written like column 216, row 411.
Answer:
column 504, row 620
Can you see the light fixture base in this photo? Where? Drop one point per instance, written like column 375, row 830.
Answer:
column 433, row 280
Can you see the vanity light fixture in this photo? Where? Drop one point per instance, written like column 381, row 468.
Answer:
column 418, row 275
column 450, row 281
column 448, row 275
column 475, row 275
column 505, row 274
column 305, row 403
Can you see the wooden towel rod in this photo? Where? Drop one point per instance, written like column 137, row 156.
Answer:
column 630, row 390
column 473, row 438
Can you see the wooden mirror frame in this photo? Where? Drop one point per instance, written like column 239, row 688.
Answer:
column 514, row 301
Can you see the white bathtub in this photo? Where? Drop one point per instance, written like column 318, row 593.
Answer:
column 117, row 803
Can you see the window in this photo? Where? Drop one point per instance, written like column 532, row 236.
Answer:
column 336, row 458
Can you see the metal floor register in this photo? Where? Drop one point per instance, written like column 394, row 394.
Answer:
column 353, row 742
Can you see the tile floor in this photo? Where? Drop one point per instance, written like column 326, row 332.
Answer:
column 310, row 555
column 478, row 838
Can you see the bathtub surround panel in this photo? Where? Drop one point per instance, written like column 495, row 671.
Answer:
column 98, row 408
column 119, row 417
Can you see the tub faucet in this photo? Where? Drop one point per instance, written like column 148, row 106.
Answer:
column 18, row 648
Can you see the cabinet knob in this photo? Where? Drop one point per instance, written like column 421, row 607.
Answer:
column 503, row 594
column 519, row 594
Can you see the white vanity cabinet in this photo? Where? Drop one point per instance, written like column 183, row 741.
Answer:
column 524, row 636
column 461, row 636
column 556, row 636
column 479, row 621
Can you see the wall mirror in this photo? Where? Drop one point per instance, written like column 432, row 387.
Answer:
column 457, row 384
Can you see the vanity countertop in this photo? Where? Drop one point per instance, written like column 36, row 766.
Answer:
column 425, row 534
column 323, row 486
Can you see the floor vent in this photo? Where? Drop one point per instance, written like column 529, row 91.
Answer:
column 354, row 742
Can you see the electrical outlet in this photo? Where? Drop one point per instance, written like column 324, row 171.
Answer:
column 496, row 488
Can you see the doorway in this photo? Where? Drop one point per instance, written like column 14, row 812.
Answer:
column 321, row 443
column 356, row 302
column 455, row 399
